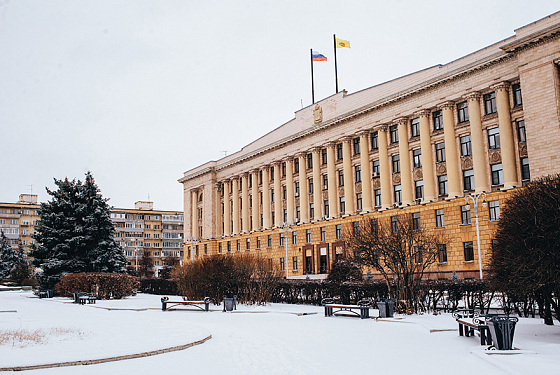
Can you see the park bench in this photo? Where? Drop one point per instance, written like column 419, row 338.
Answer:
column 332, row 308
column 202, row 305
column 470, row 321
column 82, row 297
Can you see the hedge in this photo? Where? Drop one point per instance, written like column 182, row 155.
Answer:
column 106, row 285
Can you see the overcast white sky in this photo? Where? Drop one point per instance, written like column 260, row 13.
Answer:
column 140, row 91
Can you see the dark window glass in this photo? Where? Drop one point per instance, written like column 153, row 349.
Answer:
column 395, row 224
column 374, row 141
column 326, row 207
column 415, row 127
column 310, row 182
column 269, row 244
column 466, row 149
column 442, row 185
column 339, row 153
column 309, row 161
column 463, row 111
column 417, row 158
column 359, row 201
column 468, row 180
column 356, row 227
column 377, row 194
column 419, row 189
column 356, row 142
column 497, row 174
column 490, row 103
column 525, row 173
column 375, row 168
column 323, row 234
column 394, row 131
column 308, row 235
column 440, row 218
column 338, row 231
column 442, row 253
column 440, row 152
column 416, row 220
column 341, row 178
column 358, row 173
column 398, row 193
column 324, row 156
column 468, row 251
column 521, row 131
column 325, row 182
column 438, row 120
column 517, row 100
column 493, row 138
column 342, row 204
column 465, row 215
column 396, row 163
column 494, row 210
column 296, row 165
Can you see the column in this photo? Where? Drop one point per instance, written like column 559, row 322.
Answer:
column 406, row 169
column 227, row 209
column 317, row 185
column 479, row 159
column 348, row 180
column 451, row 155
column 366, row 172
column 235, row 201
column 507, row 146
column 277, row 194
column 331, row 175
column 266, row 197
column 427, row 158
column 218, row 211
column 245, row 223
column 303, row 193
column 290, row 196
column 194, row 213
column 386, row 193
column 255, row 212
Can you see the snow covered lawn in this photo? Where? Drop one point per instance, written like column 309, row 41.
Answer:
column 271, row 339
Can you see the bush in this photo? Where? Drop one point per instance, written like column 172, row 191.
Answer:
column 159, row 286
column 106, row 285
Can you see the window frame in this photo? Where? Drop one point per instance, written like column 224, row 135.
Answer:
column 440, row 218
column 415, row 127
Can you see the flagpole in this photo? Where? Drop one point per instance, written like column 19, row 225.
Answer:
column 335, row 70
column 312, row 83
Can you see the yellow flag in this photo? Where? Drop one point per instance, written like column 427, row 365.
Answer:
column 342, row 43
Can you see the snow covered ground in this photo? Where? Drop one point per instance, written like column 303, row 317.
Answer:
column 269, row 339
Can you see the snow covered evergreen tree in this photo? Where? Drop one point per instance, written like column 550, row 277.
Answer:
column 75, row 233
column 9, row 258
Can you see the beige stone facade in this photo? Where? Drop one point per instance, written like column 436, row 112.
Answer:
column 418, row 144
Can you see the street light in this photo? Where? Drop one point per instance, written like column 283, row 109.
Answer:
column 192, row 240
column 286, row 226
column 474, row 198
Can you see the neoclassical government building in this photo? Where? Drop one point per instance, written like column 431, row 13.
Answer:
column 416, row 145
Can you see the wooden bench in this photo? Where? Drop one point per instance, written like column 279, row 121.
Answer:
column 331, row 306
column 90, row 298
column 476, row 322
column 202, row 305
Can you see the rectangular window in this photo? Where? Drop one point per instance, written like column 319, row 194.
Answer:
column 282, row 264
column 440, row 152
column 323, row 234
column 517, row 99
column 296, row 165
column 271, row 196
column 324, row 156
column 494, row 210
column 440, row 218
column 326, row 208
column 493, row 138
column 490, row 103
column 341, row 177
column 419, row 189
column 521, row 131
column 219, row 248
column 417, row 158
column 468, row 180
column 395, row 224
column 416, row 220
column 465, row 215
column 283, row 169
column 238, row 245
column 269, row 244
column 438, row 120
column 463, row 111
column 466, row 149
column 310, row 183
column 356, row 228
column 294, row 237
column 248, row 241
column 282, row 239
column 325, row 182
column 356, row 143
column 377, row 195
column 374, row 141
column 258, row 242
column 298, row 213
column 375, row 168
column 415, row 127
column 442, row 253
column 525, row 173
column 285, row 215
column 468, row 251
column 358, row 173
column 396, row 163
column 295, row 263
column 308, row 235
column 296, row 188
column 311, row 211
column 284, row 192
column 339, row 153
column 497, row 174
column 338, row 231
column 229, row 247
column 359, row 201
column 417, row 255
column 309, row 161
column 394, row 131
column 398, row 193
column 342, row 202
column 271, row 178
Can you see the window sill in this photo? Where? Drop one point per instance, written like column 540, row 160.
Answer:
column 442, row 262
column 464, row 225
column 440, row 227
column 468, row 261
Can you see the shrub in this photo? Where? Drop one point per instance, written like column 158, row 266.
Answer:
column 106, row 285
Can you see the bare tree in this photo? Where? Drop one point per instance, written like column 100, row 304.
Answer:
column 169, row 263
column 400, row 249
column 146, row 265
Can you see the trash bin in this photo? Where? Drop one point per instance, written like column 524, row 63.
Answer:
column 385, row 308
column 502, row 328
column 229, row 303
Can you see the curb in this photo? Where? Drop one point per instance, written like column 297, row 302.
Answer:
column 109, row 359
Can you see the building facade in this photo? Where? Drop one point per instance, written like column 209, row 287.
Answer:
column 18, row 220
column 416, row 145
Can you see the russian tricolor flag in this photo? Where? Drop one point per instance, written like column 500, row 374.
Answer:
column 316, row 56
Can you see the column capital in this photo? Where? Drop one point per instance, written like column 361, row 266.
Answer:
column 275, row 163
column 363, row 133
column 302, row 154
column 400, row 120
column 254, row 170
column 288, row 158
column 383, row 128
column 346, row 139
column 501, row 86
column 423, row 113
column 446, row 105
column 472, row 96
column 225, row 180
column 316, row 149
column 265, row 167
column 331, row 144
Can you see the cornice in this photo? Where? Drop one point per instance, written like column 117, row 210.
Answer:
column 531, row 40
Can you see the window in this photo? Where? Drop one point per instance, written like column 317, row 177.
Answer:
column 358, row 173
column 442, row 253
column 490, row 103
column 497, row 174
column 415, row 127
column 374, row 141
column 282, row 265
column 494, row 210
column 284, row 194
column 310, row 184
column 525, row 173
column 311, row 211
column 377, row 195
column 326, row 207
column 271, row 178
column 296, row 192
column 296, row 165
column 359, row 201
column 258, row 242
column 468, row 180
column 250, row 180
column 440, row 152
column 440, row 218
column 238, row 245
column 309, row 161
column 356, row 228
column 438, row 120
column 463, row 111
column 375, row 169
column 394, row 131
column 342, row 204
column 284, row 169
column 196, row 247
column 269, row 244
column 398, row 193
column 417, row 158
column 468, row 251
column 419, row 189
column 338, row 231
column 521, row 131
column 517, row 100
column 271, row 196
column 294, row 237
column 323, row 234
column 417, row 255
column 298, row 213
column 416, row 220
column 396, row 163
column 285, row 215
column 324, row 156
column 248, row 244
column 308, row 235
column 493, row 138
column 374, row 227
column 341, row 177
column 260, row 177
column 282, row 239
column 229, row 247
column 466, row 149
column 356, row 142
column 295, row 267
column 325, row 182
column 395, row 224
column 339, row 153
column 219, row 248
column 465, row 215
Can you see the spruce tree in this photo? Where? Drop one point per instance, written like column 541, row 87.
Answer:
column 75, row 233
column 9, row 258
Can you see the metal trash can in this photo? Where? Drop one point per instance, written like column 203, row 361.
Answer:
column 386, row 308
column 502, row 329
column 229, row 303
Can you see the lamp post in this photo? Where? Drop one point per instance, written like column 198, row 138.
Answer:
column 192, row 240
column 474, row 198
column 286, row 226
